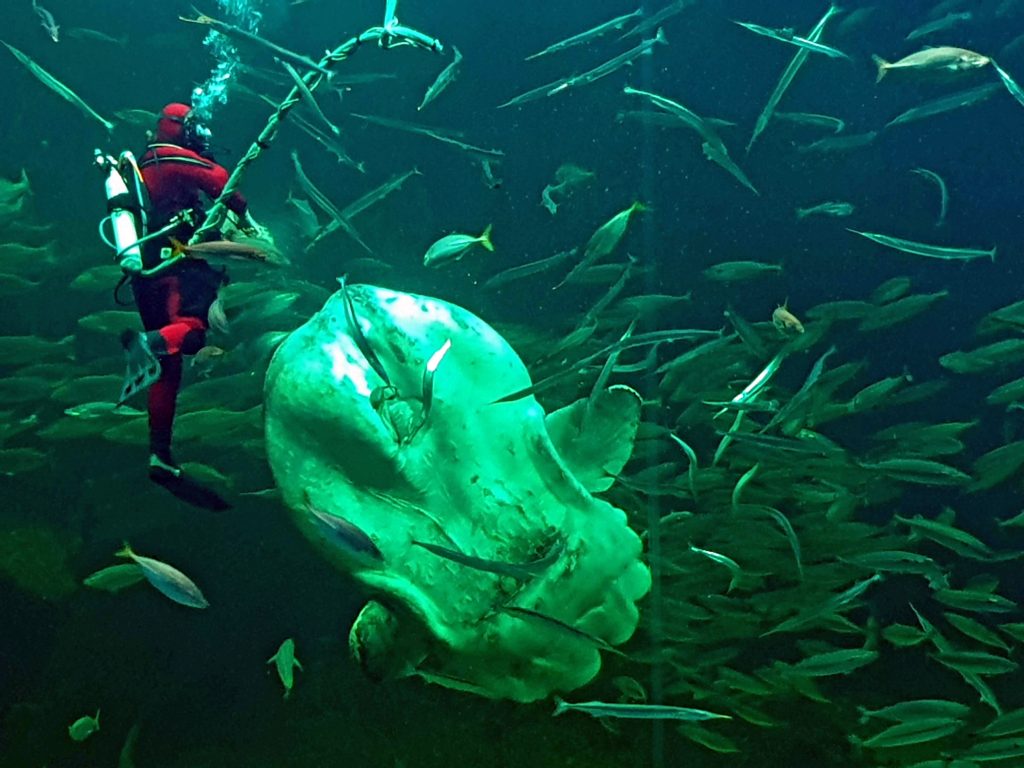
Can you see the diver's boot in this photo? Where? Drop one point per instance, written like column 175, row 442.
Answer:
column 143, row 366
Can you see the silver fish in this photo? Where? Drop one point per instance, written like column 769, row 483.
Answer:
column 788, row 36
column 168, row 580
column 944, row 60
column 446, row 78
column 520, row 571
column 925, row 249
column 306, row 94
column 285, row 663
column 453, row 247
column 351, row 537
column 240, row 34
column 591, row 34
column 636, row 711
column 47, row 21
column 57, row 86
column 943, row 192
column 787, row 77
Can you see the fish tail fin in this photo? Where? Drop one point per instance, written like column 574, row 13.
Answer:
column 560, row 707
column 125, row 551
column 992, row 255
column 883, row 67
column 485, row 239
column 659, row 36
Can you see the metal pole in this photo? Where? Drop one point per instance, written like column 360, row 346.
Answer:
column 388, row 37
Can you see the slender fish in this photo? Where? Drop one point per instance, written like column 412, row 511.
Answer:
column 788, row 36
column 446, row 78
column 635, row 711
column 787, row 76
column 925, row 249
column 943, row 192
column 591, row 34
column 47, row 21
column 57, row 86
column 240, row 34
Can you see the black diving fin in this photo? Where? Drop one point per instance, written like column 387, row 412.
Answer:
column 189, row 490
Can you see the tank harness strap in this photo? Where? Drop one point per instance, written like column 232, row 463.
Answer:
column 156, row 159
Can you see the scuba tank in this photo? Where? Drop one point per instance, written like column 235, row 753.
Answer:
column 127, row 202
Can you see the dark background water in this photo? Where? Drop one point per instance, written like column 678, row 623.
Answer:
column 197, row 682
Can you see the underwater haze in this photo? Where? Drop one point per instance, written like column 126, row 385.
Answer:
column 793, row 231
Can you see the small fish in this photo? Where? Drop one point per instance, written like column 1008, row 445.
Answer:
column 925, row 249
column 948, row 103
column 591, row 34
column 84, row 33
column 115, row 577
column 843, row 143
column 994, row 750
column 1011, row 84
column 938, row 25
column 520, row 571
column 811, row 119
column 636, row 711
column 917, row 709
column 230, row 30
column 942, row 60
column 286, row 663
column 453, row 247
column 84, row 727
column 655, row 19
column 917, row 731
column 47, row 21
column 349, row 536
column 429, row 370
column 645, row 48
column 837, row 209
column 604, row 240
column 217, row 318
column 168, row 580
column 728, row 562
column 206, row 355
column 788, row 74
column 976, row 662
column 446, row 78
column 557, row 625
column 787, row 35
column 718, row 154
column 833, row 663
column 943, row 192
column 57, row 86
column 785, row 321
column 306, row 94
column 734, row 271
column 101, row 410
column 225, row 249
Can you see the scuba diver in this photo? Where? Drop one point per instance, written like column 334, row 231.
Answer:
column 173, row 291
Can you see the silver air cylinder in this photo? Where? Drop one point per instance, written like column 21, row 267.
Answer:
column 122, row 221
